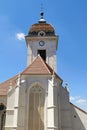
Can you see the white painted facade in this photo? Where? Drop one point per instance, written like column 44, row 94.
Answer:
column 40, row 102
column 59, row 114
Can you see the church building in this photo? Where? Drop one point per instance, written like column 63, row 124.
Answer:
column 35, row 99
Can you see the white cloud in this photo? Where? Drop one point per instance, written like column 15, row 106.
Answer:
column 20, row 36
column 78, row 100
column 81, row 101
column 74, row 98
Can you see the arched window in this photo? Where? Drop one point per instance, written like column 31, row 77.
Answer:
column 36, row 108
column 2, row 116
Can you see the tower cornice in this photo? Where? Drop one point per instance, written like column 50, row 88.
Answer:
column 29, row 38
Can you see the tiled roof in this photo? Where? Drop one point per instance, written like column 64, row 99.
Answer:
column 38, row 67
column 4, row 87
column 41, row 27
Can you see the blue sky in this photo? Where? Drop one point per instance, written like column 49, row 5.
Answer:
column 69, row 18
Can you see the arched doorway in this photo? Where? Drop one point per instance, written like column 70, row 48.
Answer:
column 2, row 116
column 36, row 108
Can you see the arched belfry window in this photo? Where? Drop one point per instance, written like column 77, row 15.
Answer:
column 2, row 116
column 36, row 108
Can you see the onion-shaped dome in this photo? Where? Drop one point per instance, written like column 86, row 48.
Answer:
column 41, row 28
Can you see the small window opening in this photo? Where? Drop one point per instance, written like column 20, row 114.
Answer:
column 42, row 53
column 74, row 116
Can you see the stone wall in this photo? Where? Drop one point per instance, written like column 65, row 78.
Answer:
column 79, row 118
column 65, row 109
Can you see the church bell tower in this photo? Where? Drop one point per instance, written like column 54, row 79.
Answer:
column 42, row 40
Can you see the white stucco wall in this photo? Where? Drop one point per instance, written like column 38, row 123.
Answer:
column 21, row 108
column 10, row 110
column 65, row 109
column 50, row 47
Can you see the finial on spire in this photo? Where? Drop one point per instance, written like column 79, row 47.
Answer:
column 42, row 20
column 66, row 86
column 10, row 86
column 53, row 76
column 18, row 79
column 42, row 14
column 53, row 71
column 41, row 7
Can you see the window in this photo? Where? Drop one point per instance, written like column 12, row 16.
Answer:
column 42, row 54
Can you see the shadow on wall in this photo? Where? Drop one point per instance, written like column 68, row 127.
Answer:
column 2, row 116
column 79, row 118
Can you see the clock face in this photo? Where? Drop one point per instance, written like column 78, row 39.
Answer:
column 41, row 43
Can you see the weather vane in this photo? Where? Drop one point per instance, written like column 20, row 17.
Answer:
column 41, row 13
column 42, row 7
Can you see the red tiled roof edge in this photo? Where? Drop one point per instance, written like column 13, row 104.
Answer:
column 4, row 86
